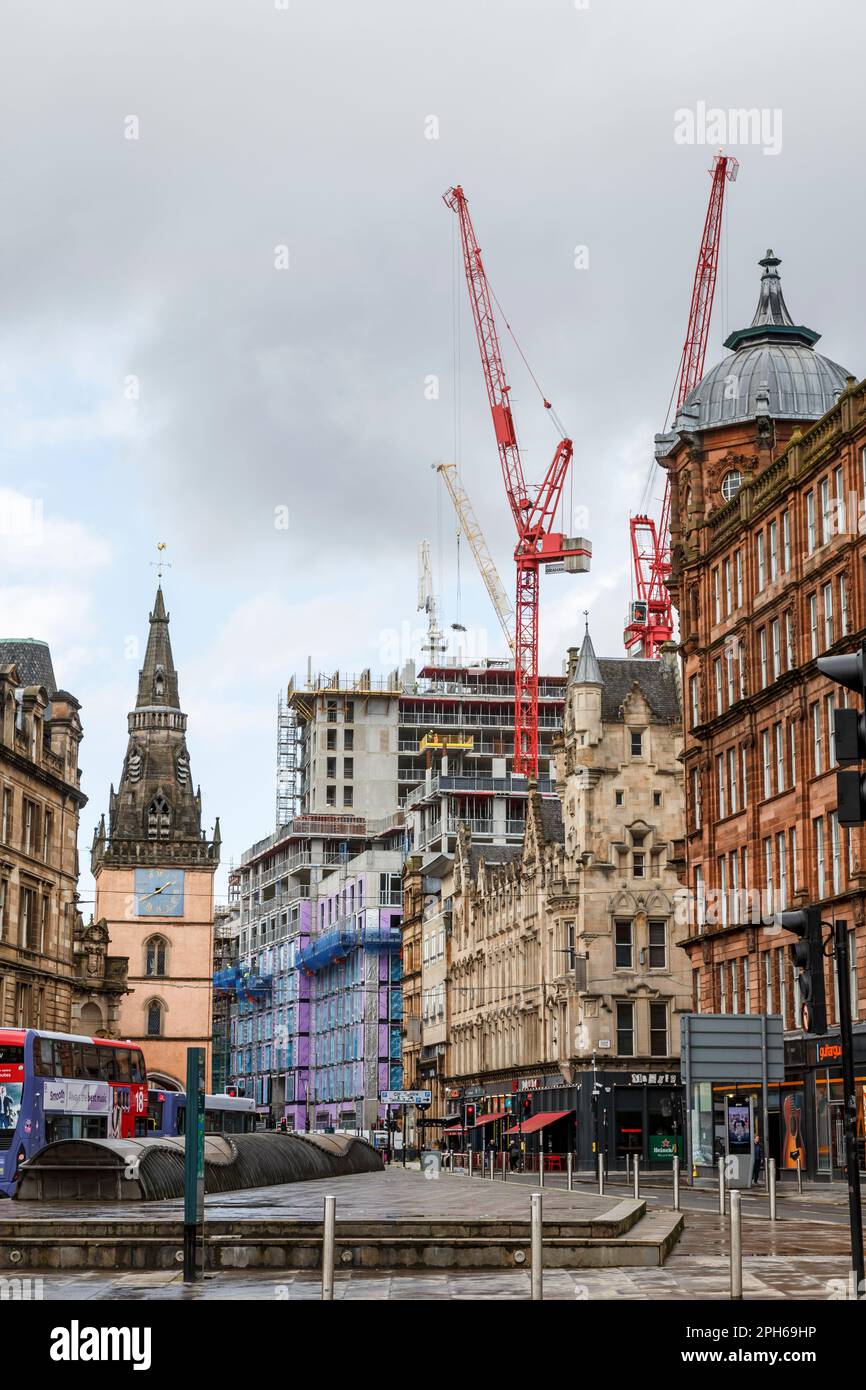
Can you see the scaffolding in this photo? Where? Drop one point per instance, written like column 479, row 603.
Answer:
column 288, row 764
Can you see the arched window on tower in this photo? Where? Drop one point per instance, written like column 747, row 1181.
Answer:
column 153, row 1012
column 155, row 956
column 158, row 819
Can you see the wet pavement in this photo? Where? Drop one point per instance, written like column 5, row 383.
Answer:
column 393, row 1195
column 785, row 1260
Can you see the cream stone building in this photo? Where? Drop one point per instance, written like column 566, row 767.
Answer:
column 566, row 979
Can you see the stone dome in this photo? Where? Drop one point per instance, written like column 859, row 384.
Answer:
column 773, row 368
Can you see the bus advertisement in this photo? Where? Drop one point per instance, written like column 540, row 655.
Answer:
column 61, row 1086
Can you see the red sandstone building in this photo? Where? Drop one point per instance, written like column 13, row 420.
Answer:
column 768, row 470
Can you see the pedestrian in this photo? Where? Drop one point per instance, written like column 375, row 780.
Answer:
column 513, row 1155
column 758, row 1162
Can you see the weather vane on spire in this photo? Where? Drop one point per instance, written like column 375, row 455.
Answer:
column 586, row 618
column 161, row 563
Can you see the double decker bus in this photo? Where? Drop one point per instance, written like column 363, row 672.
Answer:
column 223, row 1114
column 61, row 1086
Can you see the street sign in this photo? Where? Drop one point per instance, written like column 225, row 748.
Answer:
column 405, row 1097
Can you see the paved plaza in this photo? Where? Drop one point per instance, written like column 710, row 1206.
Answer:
column 785, row 1260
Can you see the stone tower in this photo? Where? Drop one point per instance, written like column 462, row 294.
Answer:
column 154, row 868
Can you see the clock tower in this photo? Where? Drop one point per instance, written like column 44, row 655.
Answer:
column 154, row 869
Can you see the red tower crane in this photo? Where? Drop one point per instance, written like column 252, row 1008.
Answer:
column 650, row 621
column 533, row 509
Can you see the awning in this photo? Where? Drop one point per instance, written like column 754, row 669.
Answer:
column 489, row 1119
column 455, row 1129
column 547, row 1117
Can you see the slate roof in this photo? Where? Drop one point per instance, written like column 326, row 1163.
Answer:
column 492, row 854
column 587, row 670
column 33, row 659
column 656, row 680
column 551, row 821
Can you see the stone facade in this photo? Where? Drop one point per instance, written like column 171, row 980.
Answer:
column 40, row 804
column 564, row 954
column 154, row 869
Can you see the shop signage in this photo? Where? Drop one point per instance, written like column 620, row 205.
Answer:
column 663, row 1146
column 829, row 1052
column 655, row 1078
column 529, row 1083
column 604, row 1042
column 77, row 1097
column 405, row 1097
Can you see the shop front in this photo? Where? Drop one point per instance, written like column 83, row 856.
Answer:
column 623, row 1113
column 811, row 1110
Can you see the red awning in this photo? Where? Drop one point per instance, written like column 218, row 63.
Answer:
column 454, row 1129
column 537, row 1122
column 488, row 1119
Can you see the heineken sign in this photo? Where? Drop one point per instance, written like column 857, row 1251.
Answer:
column 664, row 1146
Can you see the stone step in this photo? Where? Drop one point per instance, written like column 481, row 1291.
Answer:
column 640, row 1239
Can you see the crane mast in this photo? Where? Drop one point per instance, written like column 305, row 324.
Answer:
column 650, row 621
column 478, row 545
column 534, row 513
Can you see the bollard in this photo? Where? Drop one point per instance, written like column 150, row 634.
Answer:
column 541, row 1169
column 492, row 1165
column 736, row 1248
column 600, row 1173
column 636, row 1176
column 504, row 1166
column 569, row 1169
column 470, row 1163
column 721, row 1187
column 328, row 1249
column 799, row 1176
column 771, row 1172
column 676, row 1182
column 535, row 1274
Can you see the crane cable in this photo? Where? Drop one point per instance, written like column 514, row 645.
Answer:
column 546, row 403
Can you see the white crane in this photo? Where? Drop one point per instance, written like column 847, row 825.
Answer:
column 483, row 559
column 436, row 642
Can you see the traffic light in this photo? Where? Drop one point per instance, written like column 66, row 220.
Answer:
column 468, row 1116
column 849, row 728
column 527, row 1104
column 808, row 957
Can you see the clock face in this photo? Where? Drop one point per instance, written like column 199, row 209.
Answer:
column 159, row 892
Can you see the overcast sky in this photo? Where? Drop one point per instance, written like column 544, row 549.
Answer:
column 166, row 376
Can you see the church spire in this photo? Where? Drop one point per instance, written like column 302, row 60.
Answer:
column 157, row 679
column 156, row 809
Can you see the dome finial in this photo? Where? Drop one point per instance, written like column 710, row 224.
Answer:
column 772, row 309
